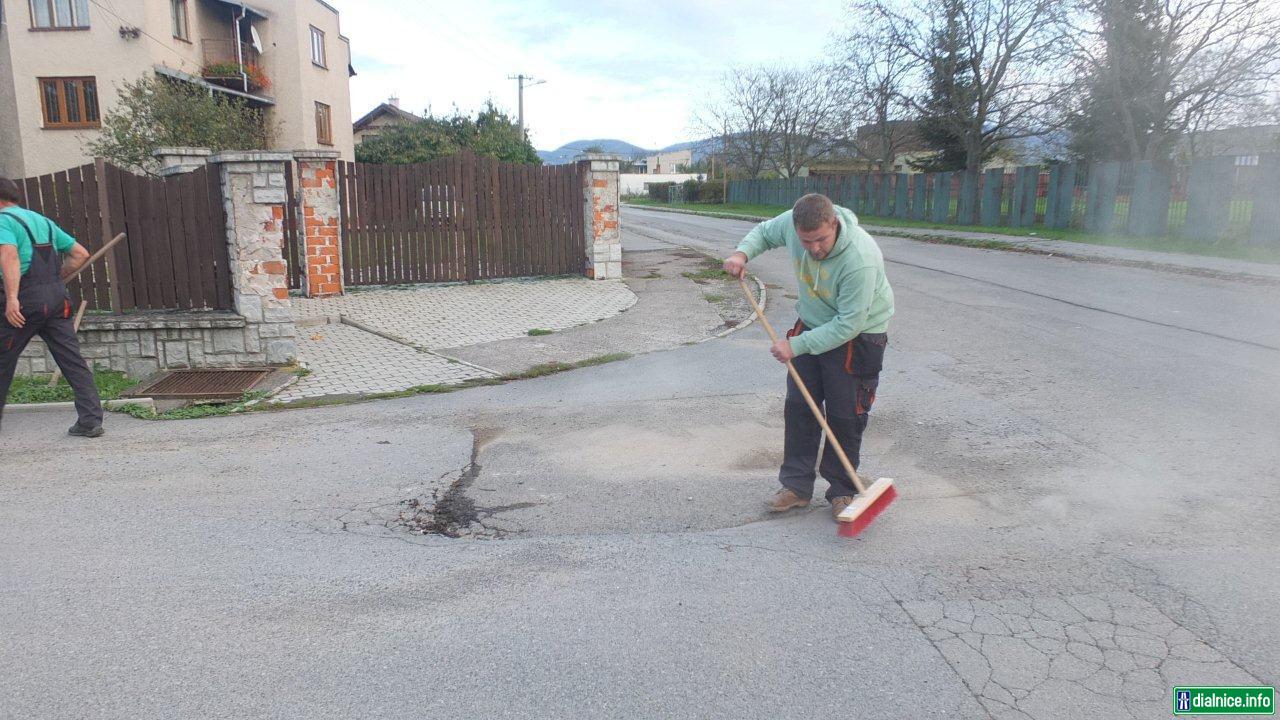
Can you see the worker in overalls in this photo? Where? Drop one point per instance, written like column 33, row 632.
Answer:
column 36, row 302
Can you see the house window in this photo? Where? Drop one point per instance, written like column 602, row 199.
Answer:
column 181, row 28
column 69, row 102
column 59, row 14
column 324, row 124
column 317, row 47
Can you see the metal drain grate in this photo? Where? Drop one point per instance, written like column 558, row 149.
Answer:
column 201, row 384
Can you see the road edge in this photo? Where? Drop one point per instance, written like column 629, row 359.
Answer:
column 1007, row 243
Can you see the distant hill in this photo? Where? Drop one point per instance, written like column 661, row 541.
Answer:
column 565, row 153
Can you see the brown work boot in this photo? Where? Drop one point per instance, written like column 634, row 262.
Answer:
column 838, row 504
column 786, row 499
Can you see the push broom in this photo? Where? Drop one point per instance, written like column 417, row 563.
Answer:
column 871, row 501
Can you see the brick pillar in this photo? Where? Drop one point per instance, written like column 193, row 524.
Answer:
column 322, row 235
column 600, row 208
column 253, row 193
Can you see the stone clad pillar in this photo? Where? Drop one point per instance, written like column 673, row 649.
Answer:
column 600, row 208
column 178, row 160
column 321, row 232
column 254, row 196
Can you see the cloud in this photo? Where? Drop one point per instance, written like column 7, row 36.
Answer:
column 613, row 68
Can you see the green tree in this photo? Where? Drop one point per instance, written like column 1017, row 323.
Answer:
column 952, row 99
column 154, row 112
column 1115, row 118
column 1159, row 72
column 491, row 133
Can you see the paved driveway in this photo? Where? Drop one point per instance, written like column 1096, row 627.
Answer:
column 378, row 340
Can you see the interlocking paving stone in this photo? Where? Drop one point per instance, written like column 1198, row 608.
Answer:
column 345, row 360
column 457, row 315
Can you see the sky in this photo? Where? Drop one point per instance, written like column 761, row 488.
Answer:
column 634, row 70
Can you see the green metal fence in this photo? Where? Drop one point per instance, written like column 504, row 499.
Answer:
column 1214, row 198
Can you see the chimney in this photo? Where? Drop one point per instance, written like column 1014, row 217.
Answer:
column 394, row 101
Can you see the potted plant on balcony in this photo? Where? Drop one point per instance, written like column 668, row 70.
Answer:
column 231, row 74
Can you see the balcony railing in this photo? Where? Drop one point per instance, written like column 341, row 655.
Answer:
column 224, row 66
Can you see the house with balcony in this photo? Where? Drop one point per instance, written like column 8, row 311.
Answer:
column 62, row 62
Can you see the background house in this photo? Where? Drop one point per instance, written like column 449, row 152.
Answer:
column 667, row 162
column 61, row 62
column 388, row 114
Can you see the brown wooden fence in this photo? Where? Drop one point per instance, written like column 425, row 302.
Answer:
column 175, row 257
column 459, row 218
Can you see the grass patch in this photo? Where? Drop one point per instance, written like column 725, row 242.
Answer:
column 713, row 298
column 193, row 412
column 554, row 367
column 36, row 389
column 535, row 332
column 1232, row 249
column 716, row 273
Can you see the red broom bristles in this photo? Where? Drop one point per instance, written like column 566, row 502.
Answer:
column 867, row 516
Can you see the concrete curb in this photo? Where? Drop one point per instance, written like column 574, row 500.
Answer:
column 1020, row 243
column 750, row 318
column 60, row 406
column 764, row 304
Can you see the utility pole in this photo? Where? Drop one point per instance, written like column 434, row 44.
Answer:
column 523, row 81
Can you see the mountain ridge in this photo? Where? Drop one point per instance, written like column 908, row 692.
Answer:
column 565, row 153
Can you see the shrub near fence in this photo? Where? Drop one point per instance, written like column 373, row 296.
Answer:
column 175, row 257
column 659, row 191
column 1211, row 199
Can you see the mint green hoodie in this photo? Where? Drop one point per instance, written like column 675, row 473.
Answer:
column 841, row 296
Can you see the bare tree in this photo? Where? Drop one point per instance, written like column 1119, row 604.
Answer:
column 741, row 116
column 1209, row 63
column 773, row 118
column 804, row 110
column 1010, row 52
column 873, row 77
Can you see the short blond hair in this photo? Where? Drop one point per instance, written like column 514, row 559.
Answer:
column 812, row 211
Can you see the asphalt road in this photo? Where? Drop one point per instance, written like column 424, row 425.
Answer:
column 1086, row 456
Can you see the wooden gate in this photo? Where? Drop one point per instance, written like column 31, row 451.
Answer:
column 460, row 218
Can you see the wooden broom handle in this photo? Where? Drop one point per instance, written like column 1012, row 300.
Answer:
column 795, row 375
column 96, row 256
column 75, row 327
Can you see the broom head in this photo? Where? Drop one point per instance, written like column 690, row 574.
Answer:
column 865, row 508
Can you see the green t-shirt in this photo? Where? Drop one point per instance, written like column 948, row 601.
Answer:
column 12, row 233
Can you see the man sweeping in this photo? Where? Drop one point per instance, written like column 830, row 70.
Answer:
column 837, row 345
column 36, row 302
